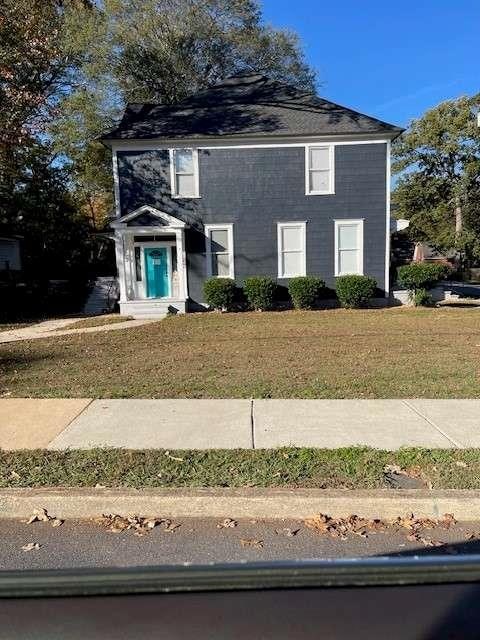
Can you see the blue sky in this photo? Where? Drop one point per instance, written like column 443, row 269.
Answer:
column 392, row 60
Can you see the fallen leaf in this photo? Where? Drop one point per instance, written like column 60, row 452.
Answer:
column 393, row 468
column 56, row 522
column 31, row 546
column 286, row 531
column 228, row 523
column 449, row 520
column 251, row 542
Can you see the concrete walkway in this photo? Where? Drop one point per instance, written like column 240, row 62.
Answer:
column 54, row 328
column 231, row 424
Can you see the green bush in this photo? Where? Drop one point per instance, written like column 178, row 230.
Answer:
column 219, row 293
column 260, row 292
column 421, row 275
column 421, row 298
column 354, row 292
column 305, row 290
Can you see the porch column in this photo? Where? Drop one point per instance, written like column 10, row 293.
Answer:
column 181, row 263
column 120, row 258
column 129, row 254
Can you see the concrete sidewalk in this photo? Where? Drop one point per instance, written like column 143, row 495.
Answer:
column 231, row 424
column 56, row 328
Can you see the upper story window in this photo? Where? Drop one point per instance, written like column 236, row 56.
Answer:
column 291, row 249
column 184, row 173
column 219, row 250
column 320, row 169
column 348, row 247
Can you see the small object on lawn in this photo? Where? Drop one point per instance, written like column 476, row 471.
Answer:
column 14, row 475
column 398, row 478
column 251, row 542
column 228, row 523
column 461, row 463
column 167, row 453
column 31, row 546
column 99, row 486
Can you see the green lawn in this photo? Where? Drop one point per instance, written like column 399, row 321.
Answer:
column 348, row 468
column 389, row 353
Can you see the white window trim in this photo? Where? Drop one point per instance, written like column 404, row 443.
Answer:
column 303, row 226
column 359, row 222
column 331, row 159
column 173, row 173
column 208, row 253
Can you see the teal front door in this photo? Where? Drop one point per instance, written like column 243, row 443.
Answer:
column 156, row 269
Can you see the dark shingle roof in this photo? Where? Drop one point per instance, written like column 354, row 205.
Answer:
column 246, row 105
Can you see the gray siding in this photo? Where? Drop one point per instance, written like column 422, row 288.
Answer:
column 256, row 188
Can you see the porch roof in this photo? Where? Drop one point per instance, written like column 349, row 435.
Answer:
column 163, row 220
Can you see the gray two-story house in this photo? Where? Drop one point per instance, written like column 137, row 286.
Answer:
column 248, row 177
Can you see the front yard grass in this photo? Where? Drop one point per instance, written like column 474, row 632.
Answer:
column 347, row 468
column 388, row 353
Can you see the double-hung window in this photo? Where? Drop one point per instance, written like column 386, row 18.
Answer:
column 291, row 249
column 319, row 169
column 348, row 247
column 184, row 173
column 219, row 250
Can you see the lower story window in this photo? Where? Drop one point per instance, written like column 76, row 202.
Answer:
column 291, row 238
column 219, row 253
column 348, row 247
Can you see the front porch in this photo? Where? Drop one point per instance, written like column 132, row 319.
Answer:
column 151, row 263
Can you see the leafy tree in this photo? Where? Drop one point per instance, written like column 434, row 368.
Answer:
column 439, row 188
column 157, row 51
column 56, row 236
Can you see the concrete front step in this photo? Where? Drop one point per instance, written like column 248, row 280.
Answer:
column 154, row 308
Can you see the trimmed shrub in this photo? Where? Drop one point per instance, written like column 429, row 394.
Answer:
column 421, row 298
column 354, row 292
column 305, row 290
column 260, row 292
column 421, row 275
column 219, row 293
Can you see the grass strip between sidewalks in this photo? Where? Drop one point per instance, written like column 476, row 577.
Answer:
column 347, row 468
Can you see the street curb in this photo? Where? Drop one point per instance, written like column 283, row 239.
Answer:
column 239, row 503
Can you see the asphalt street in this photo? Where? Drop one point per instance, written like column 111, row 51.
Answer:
column 90, row 544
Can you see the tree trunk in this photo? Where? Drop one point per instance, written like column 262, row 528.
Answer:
column 458, row 216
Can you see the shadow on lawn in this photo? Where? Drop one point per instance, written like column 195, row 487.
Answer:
column 11, row 363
